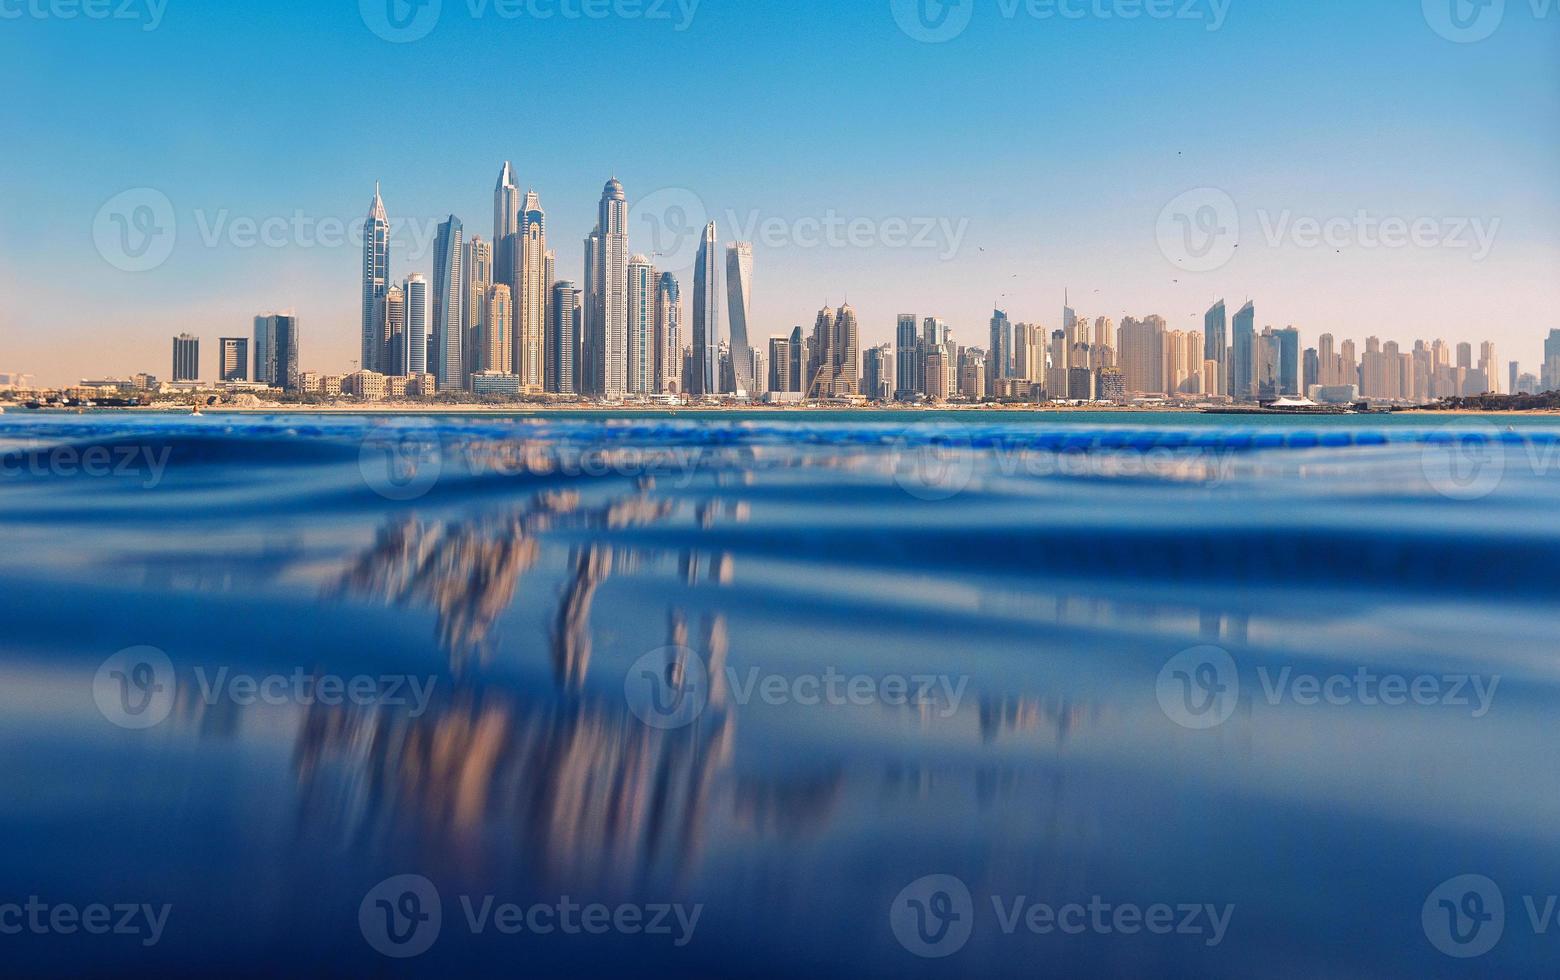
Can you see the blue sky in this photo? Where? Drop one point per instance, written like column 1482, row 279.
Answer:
column 1051, row 145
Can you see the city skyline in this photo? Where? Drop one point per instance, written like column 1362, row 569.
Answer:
column 1064, row 191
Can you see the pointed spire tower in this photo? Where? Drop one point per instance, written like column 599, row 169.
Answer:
column 376, row 284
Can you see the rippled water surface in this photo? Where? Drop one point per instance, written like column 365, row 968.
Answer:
column 781, row 670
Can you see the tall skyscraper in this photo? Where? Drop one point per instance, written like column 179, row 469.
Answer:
column 265, row 348
column 1143, row 355
column 999, row 358
column 533, row 284
column 642, row 288
column 284, row 365
column 186, row 358
column 393, row 360
column 376, row 280
column 449, row 320
column 739, row 294
column 1243, row 367
column 610, row 342
column 563, row 340
column 835, row 357
column 668, row 335
column 706, row 319
column 907, row 358
column 477, row 280
column 416, row 290
column 1216, row 333
column 498, row 312
column 1290, row 367
column 590, row 303
column 234, row 364
column 506, row 224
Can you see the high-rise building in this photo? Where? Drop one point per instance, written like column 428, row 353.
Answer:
column 590, row 303
column 706, row 319
column 284, row 363
column 609, row 344
column 1243, row 367
column 668, row 335
column 1290, row 381
column 445, row 359
column 186, row 358
column 477, row 278
column 376, row 280
column 1549, row 376
column 234, row 364
column 907, row 358
column 416, row 289
column 265, row 348
column 1142, row 355
column 877, row 372
column 393, row 359
column 533, row 284
column 642, row 291
column 739, row 301
column 781, row 378
column 835, row 358
column 506, row 224
column 1215, row 345
column 999, row 359
column 563, row 340
column 493, row 339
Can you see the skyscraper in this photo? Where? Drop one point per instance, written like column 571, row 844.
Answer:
column 999, row 358
column 448, row 315
column 739, row 292
column 590, row 303
column 563, row 340
column 1243, row 367
column 265, row 348
column 376, row 280
column 1290, row 380
column 1216, row 334
column 835, row 357
column 706, row 319
column 907, row 358
column 284, row 364
column 610, row 343
column 234, row 364
column 477, row 279
column 668, row 335
column 186, row 358
column 506, row 224
column 498, row 314
column 533, row 283
column 642, row 290
column 393, row 359
column 416, row 290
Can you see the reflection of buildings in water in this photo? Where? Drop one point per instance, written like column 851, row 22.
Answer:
column 1059, row 716
column 576, row 791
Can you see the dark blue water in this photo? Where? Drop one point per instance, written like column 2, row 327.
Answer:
column 858, row 696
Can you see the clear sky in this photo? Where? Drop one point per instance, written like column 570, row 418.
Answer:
column 1053, row 143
